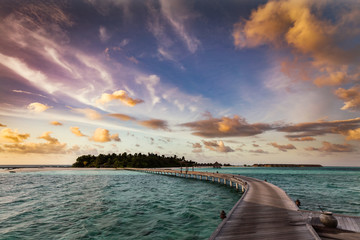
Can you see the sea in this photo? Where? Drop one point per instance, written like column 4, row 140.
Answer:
column 118, row 204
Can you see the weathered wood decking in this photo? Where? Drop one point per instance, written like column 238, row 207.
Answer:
column 348, row 227
column 264, row 211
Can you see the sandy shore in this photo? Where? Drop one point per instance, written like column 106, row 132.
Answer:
column 52, row 169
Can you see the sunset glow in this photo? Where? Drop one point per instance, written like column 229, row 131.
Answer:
column 239, row 82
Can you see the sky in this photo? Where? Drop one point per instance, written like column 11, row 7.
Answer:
column 239, row 82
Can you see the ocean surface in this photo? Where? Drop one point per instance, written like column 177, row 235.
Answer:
column 335, row 189
column 109, row 204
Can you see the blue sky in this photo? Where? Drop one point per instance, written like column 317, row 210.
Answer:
column 238, row 82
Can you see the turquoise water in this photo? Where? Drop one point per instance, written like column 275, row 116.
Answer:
column 335, row 189
column 109, row 205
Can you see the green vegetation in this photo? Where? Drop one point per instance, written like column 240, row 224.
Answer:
column 137, row 160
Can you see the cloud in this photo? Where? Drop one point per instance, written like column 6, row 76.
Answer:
column 177, row 14
column 56, row 123
column 310, row 129
column 350, row 96
column 299, row 139
column 122, row 117
column 46, row 136
column 38, row 107
column 283, row 148
column 150, row 82
column 52, row 146
column 103, row 135
column 324, row 45
column 103, row 34
column 329, row 147
column 197, row 148
column 352, row 134
column 89, row 113
column 120, row 95
column 29, row 93
column 258, row 151
column 12, row 136
column 22, row 69
column 155, row 124
column 2, row 125
column 217, row 146
column 76, row 131
column 174, row 14
column 226, row 127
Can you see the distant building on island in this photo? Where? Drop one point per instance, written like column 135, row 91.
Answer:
column 286, row 165
column 216, row 165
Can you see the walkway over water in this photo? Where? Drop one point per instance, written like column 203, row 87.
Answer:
column 264, row 211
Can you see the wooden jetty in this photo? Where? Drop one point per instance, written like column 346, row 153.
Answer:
column 265, row 211
column 348, row 227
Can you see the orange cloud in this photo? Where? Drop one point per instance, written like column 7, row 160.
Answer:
column 103, row 135
column 329, row 147
column 38, row 107
column 89, row 113
column 155, row 124
column 2, row 125
column 352, row 134
column 122, row 116
column 120, row 95
column 217, row 146
column 350, row 96
column 12, row 136
column 327, row 47
column 76, row 131
column 56, row 123
column 283, row 148
column 226, row 127
column 299, row 139
column 52, row 146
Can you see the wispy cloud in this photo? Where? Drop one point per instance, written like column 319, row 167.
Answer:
column 330, row 147
column 103, row 34
column 150, row 82
column 259, row 151
column 282, row 148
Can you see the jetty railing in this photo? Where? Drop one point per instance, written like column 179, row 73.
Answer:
column 226, row 179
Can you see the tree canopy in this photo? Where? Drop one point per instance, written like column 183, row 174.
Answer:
column 137, row 160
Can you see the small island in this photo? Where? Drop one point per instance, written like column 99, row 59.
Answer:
column 286, row 165
column 126, row 160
